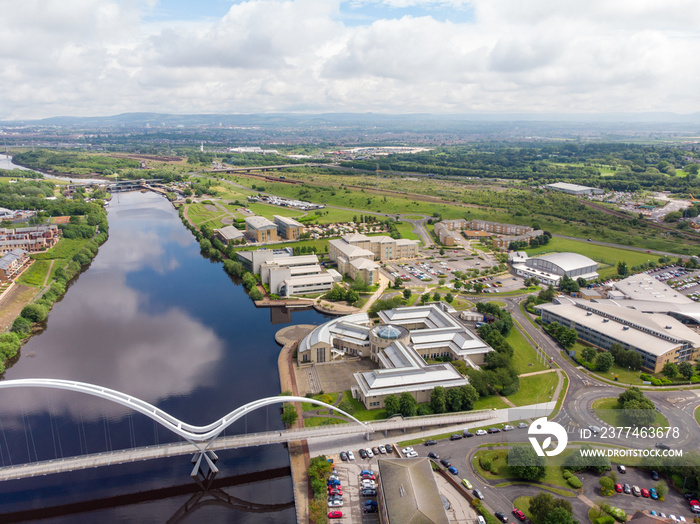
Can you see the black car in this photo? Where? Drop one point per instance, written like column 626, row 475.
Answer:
column 661, row 445
column 493, row 430
column 445, row 463
column 501, row 516
column 430, row 442
column 368, row 492
column 456, row 436
column 468, row 434
column 655, row 476
column 370, row 509
column 690, row 496
column 343, row 456
column 363, row 454
column 433, row 455
column 389, row 448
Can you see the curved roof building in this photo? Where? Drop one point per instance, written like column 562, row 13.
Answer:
column 550, row 268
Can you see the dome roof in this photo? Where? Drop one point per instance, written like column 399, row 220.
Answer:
column 389, row 332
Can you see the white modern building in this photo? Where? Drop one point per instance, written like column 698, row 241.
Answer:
column 400, row 345
column 549, row 269
column 575, row 189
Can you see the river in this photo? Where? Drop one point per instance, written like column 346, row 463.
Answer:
column 153, row 318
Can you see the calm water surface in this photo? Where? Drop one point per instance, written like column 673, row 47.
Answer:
column 151, row 317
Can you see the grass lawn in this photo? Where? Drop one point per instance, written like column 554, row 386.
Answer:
column 328, row 398
column 65, row 248
column 553, row 474
column 406, row 231
column 492, row 402
column 535, row 389
column 35, row 275
column 198, row 214
column 609, row 412
column 607, row 255
column 697, row 415
column 361, row 413
column 268, row 210
column 497, row 303
column 524, row 355
column 625, row 376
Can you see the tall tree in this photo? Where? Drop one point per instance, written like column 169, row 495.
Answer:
column 438, row 400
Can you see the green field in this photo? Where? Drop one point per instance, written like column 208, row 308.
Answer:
column 198, row 214
column 625, row 376
column 609, row 411
column 35, row 275
column 553, row 474
column 535, row 389
column 524, row 355
column 606, row 255
column 406, row 231
column 492, row 402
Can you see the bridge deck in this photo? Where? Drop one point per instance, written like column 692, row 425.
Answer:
column 236, row 441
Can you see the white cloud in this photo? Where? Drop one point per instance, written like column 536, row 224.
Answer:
column 87, row 57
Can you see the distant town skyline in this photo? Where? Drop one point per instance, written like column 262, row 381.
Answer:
column 105, row 57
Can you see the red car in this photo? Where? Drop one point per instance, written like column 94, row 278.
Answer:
column 335, row 514
column 618, row 488
column 693, row 503
column 335, row 491
column 519, row 514
column 368, row 477
column 645, row 492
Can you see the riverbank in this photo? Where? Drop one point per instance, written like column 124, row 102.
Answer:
column 299, row 458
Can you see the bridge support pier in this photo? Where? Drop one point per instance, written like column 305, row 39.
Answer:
column 386, row 432
column 367, row 437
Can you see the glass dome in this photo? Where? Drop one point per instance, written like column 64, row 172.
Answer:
column 389, row 332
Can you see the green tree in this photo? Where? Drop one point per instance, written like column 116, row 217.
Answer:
column 347, row 406
column 398, row 282
column 622, row 268
column 478, row 287
column 559, row 516
column 289, row 414
column 255, row 294
column 438, row 400
column 524, row 463
column 454, row 399
column 662, row 490
column 407, row 293
column 469, row 396
column 424, row 298
column 449, row 298
column 21, row 326
column 543, row 505
column 436, row 297
column 604, row 361
column 34, row 312
column 686, row 370
column 407, row 405
column 607, row 486
column 391, row 405
column 670, row 370
column 588, row 354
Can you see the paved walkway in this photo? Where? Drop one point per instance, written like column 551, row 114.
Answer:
column 538, row 373
column 383, row 284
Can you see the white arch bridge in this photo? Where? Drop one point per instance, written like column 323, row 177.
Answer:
column 203, row 439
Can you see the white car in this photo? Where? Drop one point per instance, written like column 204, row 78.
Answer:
column 522, row 425
column 335, row 503
column 369, row 453
column 507, row 427
column 480, row 432
column 351, row 455
column 406, row 451
column 411, row 454
column 382, row 450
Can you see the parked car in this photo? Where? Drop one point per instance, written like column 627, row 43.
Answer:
column 508, row 427
column 522, row 425
column 621, row 469
column 370, row 509
column 406, row 451
column 453, row 470
column 336, row 514
column 478, row 494
column 368, row 492
column 389, row 448
column 366, row 472
column 370, row 502
column 661, row 445
column 375, row 450
column 335, row 503
column 493, row 430
column 501, row 516
column 626, row 488
column 519, row 514
column 645, row 493
column 468, row 434
column 343, row 456
column 430, row 442
column 654, row 475
column 412, row 454
column 433, row 455
column 445, row 463
column 369, row 452
column 636, row 491
column 654, row 494
column 456, row 436
column 382, row 450
column 480, row 520
column 351, row 455
column 363, row 454
column 480, row 432
column 366, row 476
column 618, row 488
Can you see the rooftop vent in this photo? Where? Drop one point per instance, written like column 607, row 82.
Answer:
column 625, row 328
column 668, row 327
column 606, row 320
column 588, row 314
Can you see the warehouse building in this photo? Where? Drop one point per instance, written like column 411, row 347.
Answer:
column 549, row 269
column 575, row 189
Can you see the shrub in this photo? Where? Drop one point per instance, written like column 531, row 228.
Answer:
column 574, row 482
column 607, row 519
column 566, row 474
column 617, row 513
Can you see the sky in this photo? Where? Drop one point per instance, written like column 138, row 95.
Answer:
column 105, row 57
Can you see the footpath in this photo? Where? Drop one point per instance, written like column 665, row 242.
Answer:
column 299, row 458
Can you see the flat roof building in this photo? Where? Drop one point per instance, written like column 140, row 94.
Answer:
column 229, row 233
column 657, row 336
column 260, row 229
column 575, row 189
column 288, row 228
